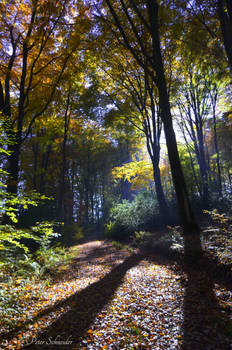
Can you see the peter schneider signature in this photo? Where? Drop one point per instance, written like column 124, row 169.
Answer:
column 50, row 341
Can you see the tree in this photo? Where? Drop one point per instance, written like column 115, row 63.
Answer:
column 129, row 18
column 215, row 18
column 225, row 16
column 134, row 96
column 32, row 64
column 194, row 107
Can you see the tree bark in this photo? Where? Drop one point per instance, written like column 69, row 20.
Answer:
column 154, row 67
column 35, row 150
column 61, row 210
column 164, row 210
column 13, row 168
column 44, row 166
column 186, row 213
column 225, row 17
column 203, row 167
column 217, row 152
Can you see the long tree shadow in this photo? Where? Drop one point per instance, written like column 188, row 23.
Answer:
column 85, row 305
column 206, row 324
column 101, row 255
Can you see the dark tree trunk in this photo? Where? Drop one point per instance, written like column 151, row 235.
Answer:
column 153, row 134
column 154, row 153
column 186, row 213
column 225, row 17
column 164, row 210
column 217, row 153
column 14, row 157
column 13, row 168
column 155, row 69
column 229, row 178
column 35, row 149
column 87, row 189
column 61, row 209
column 192, row 164
column 125, row 158
column 203, row 169
column 44, row 167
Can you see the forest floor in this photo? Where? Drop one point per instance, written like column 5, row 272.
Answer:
column 110, row 298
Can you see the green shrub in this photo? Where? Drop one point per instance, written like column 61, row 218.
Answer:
column 127, row 217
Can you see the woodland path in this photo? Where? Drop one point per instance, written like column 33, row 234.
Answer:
column 113, row 299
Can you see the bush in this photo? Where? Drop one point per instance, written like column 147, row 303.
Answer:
column 127, row 217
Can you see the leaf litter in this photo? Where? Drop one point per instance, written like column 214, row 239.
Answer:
column 143, row 309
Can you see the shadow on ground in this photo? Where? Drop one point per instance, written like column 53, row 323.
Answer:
column 85, row 305
column 206, row 324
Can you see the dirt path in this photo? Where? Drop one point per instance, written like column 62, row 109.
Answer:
column 111, row 299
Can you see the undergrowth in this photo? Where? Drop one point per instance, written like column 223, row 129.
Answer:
column 24, row 276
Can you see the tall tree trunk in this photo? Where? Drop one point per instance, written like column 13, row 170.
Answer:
column 87, row 189
column 192, row 165
column 153, row 132
column 217, row 153
column 225, row 17
column 61, row 210
column 203, row 169
column 14, row 149
column 229, row 178
column 35, row 150
column 186, row 213
column 154, row 153
column 44, row 167
column 13, row 168
column 12, row 185
column 125, row 157
column 156, row 71
column 164, row 210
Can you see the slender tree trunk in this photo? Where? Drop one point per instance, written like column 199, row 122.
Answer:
column 203, row 170
column 153, row 144
column 87, row 176
column 164, row 210
column 44, row 167
column 61, row 209
column 200, row 156
column 217, row 153
column 15, row 150
column 13, row 168
column 125, row 158
column 229, row 178
column 35, row 148
column 154, row 153
column 92, row 207
column 192, row 166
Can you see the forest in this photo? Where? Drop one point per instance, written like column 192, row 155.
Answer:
column 116, row 174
